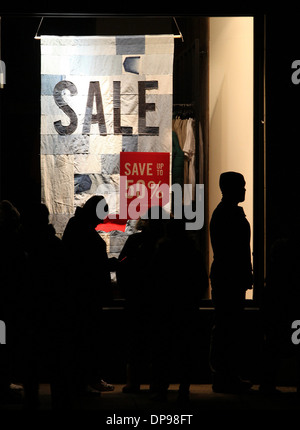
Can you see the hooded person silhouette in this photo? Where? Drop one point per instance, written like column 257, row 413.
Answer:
column 231, row 276
column 89, row 275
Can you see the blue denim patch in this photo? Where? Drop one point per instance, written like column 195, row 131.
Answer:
column 82, row 183
column 48, row 83
column 110, row 164
column 131, row 65
column 130, row 143
column 128, row 45
column 95, row 65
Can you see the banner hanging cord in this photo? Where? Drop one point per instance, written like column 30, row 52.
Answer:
column 179, row 36
column 36, row 34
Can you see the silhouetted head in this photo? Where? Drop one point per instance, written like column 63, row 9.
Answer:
column 176, row 228
column 90, row 212
column 43, row 214
column 35, row 216
column 9, row 217
column 157, row 218
column 232, row 185
column 141, row 224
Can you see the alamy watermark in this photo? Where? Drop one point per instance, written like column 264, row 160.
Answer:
column 134, row 201
column 2, row 74
column 2, row 332
column 296, row 333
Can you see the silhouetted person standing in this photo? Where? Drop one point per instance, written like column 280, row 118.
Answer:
column 179, row 284
column 137, row 277
column 89, row 275
column 46, row 308
column 231, row 276
column 12, row 285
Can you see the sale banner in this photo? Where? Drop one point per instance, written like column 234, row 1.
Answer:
column 100, row 96
column 144, row 182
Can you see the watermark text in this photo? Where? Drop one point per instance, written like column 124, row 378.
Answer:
column 2, row 332
column 133, row 201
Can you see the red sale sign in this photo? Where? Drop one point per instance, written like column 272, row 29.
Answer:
column 144, row 182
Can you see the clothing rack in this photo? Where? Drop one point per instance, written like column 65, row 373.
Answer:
column 187, row 63
column 184, row 110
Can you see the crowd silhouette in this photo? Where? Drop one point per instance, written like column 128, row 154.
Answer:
column 53, row 292
column 161, row 302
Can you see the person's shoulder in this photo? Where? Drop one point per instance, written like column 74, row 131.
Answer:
column 135, row 237
column 219, row 211
column 72, row 220
column 71, row 228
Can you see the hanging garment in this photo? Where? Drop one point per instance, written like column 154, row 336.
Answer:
column 189, row 149
column 201, row 155
column 179, row 126
column 177, row 161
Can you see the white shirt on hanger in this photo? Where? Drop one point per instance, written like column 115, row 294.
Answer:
column 189, row 149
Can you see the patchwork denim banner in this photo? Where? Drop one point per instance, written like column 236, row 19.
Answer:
column 100, row 96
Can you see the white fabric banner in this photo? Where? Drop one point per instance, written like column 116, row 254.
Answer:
column 100, row 96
